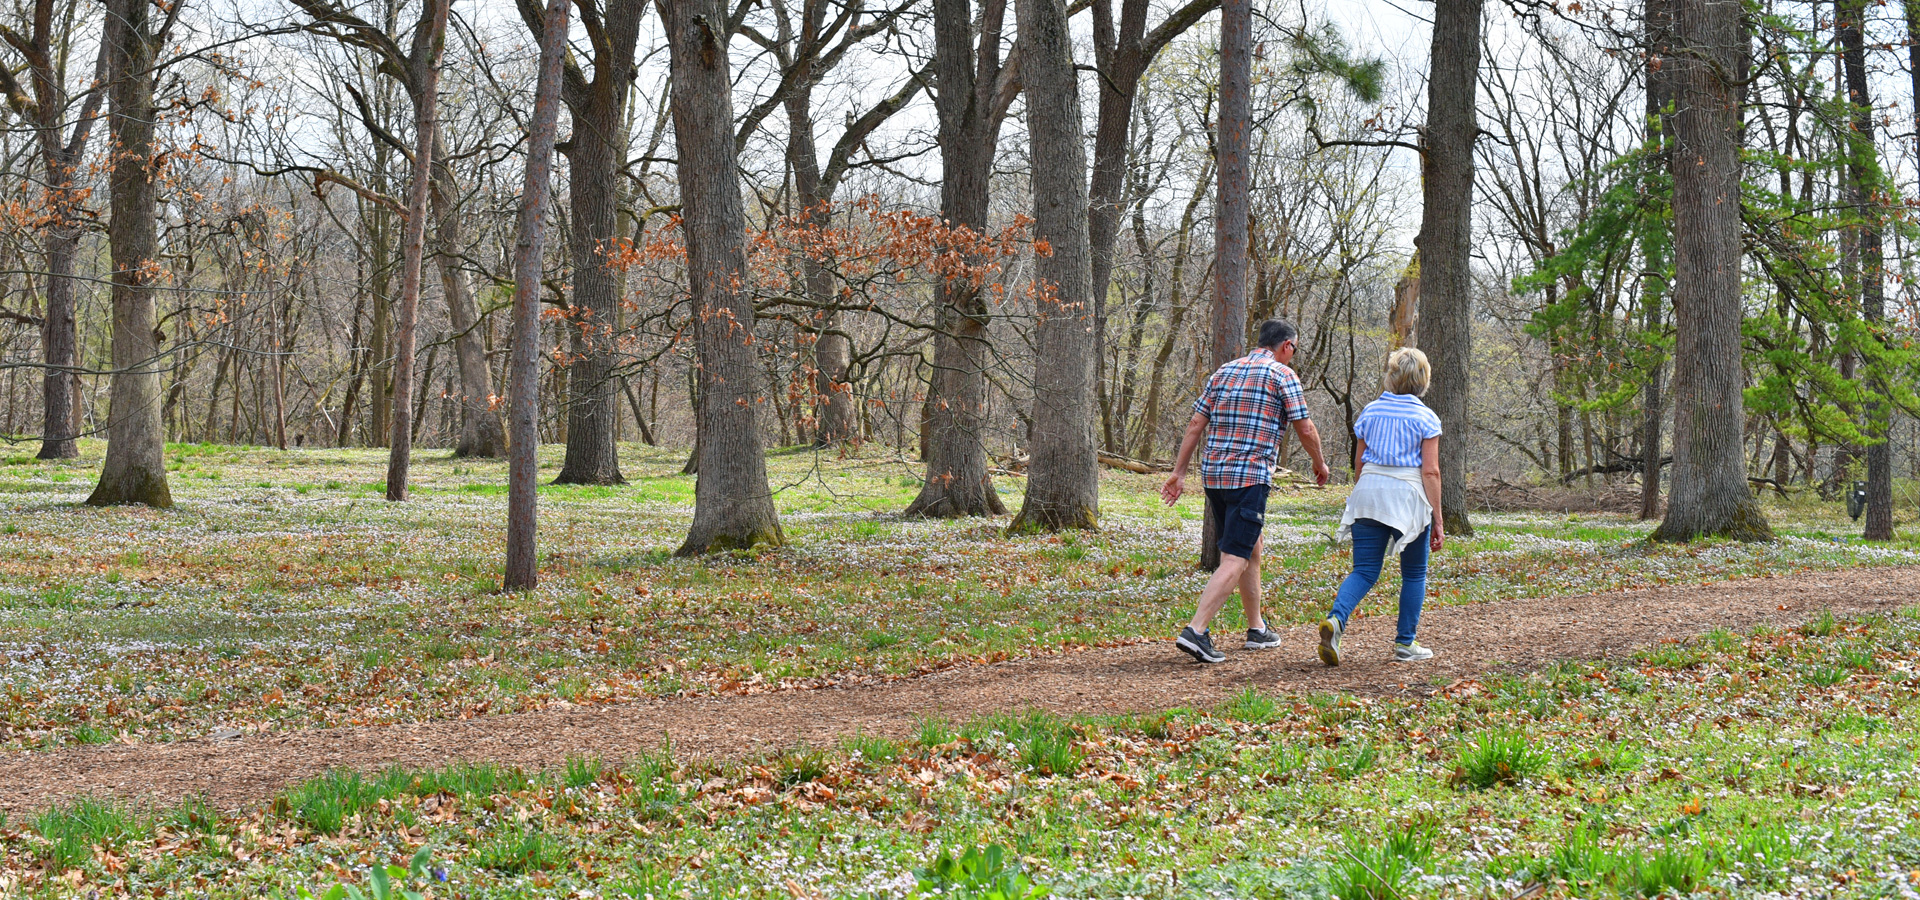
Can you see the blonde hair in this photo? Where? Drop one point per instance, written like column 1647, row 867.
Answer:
column 1408, row 372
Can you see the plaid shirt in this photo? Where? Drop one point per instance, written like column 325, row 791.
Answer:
column 1248, row 402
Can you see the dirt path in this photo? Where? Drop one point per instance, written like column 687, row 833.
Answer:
column 1468, row 639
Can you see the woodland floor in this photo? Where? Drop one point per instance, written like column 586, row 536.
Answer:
column 1470, row 640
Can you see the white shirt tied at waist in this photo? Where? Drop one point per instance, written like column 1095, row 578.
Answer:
column 1394, row 496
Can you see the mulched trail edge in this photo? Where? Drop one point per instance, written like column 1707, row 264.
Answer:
column 1468, row 640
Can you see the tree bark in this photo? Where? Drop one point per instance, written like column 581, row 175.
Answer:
column 1709, row 494
column 1445, row 239
column 481, row 434
column 523, row 459
column 957, row 483
column 429, row 42
column 1655, row 242
column 1862, row 171
column 60, row 156
column 1231, row 225
column 1063, row 473
column 733, row 507
column 596, row 155
column 135, row 468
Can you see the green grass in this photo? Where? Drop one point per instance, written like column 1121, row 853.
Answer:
column 332, row 608
column 1735, row 777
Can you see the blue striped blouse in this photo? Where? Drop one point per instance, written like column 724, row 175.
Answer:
column 1393, row 427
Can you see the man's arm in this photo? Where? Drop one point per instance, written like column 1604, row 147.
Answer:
column 1177, row 482
column 1310, row 442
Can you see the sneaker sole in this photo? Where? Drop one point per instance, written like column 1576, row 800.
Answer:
column 1256, row 645
column 1329, row 643
column 1199, row 655
column 1407, row 659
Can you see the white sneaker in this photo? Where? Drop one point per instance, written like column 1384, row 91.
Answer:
column 1330, row 641
column 1411, row 652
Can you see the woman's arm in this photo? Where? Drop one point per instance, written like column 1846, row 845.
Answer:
column 1430, row 478
column 1359, row 454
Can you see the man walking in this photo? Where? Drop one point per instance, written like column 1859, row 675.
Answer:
column 1242, row 413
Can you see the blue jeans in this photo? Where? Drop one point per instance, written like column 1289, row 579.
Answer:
column 1370, row 542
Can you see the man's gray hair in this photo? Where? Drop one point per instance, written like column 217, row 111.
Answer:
column 1274, row 332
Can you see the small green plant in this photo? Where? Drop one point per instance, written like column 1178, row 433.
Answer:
column 934, row 733
column 325, row 803
column 1498, row 757
column 582, row 771
column 1047, row 745
column 987, row 873
column 1620, row 757
column 470, row 780
column 1250, row 706
column 519, row 852
column 1764, row 855
column 385, row 882
column 872, row 749
column 797, row 767
column 1580, row 859
column 1357, row 761
column 1369, row 870
column 1822, row 625
column 1669, row 870
column 652, row 791
column 73, row 831
column 1858, row 657
column 194, row 816
column 1827, row 676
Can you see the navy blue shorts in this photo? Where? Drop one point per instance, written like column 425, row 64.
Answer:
column 1238, row 515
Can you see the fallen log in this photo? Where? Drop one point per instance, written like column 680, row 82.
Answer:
column 1133, row 465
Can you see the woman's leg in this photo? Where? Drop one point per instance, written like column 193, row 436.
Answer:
column 1370, row 542
column 1413, row 586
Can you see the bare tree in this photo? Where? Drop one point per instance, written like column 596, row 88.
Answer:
column 135, row 469
column 1063, row 476
column 523, row 568
column 733, row 507
column 429, row 43
column 975, row 92
column 597, row 157
column 62, row 144
column 1706, row 67
column 1862, row 176
column 1446, row 233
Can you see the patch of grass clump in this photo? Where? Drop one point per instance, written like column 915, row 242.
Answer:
column 73, row 830
column 1497, row 758
column 1369, row 869
column 519, row 852
column 582, row 771
column 327, row 802
column 471, row 780
column 872, row 749
column 1676, row 870
column 1250, row 706
column 988, row 873
column 799, row 766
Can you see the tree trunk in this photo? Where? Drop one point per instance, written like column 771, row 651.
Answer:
column 523, row 458
column 1063, row 474
column 1231, row 225
column 596, row 156
column 1655, row 241
column 733, row 507
column 833, row 397
column 1710, row 494
column 1445, row 240
column 427, row 51
column 957, row 483
column 481, row 434
column 135, row 468
column 1862, row 172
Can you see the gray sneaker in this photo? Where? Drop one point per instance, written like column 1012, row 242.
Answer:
column 1198, row 645
column 1411, row 652
column 1330, row 641
column 1262, row 639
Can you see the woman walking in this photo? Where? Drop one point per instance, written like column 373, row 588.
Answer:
column 1395, row 504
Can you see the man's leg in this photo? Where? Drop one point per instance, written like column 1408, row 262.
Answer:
column 1218, row 589
column 1250, row 588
